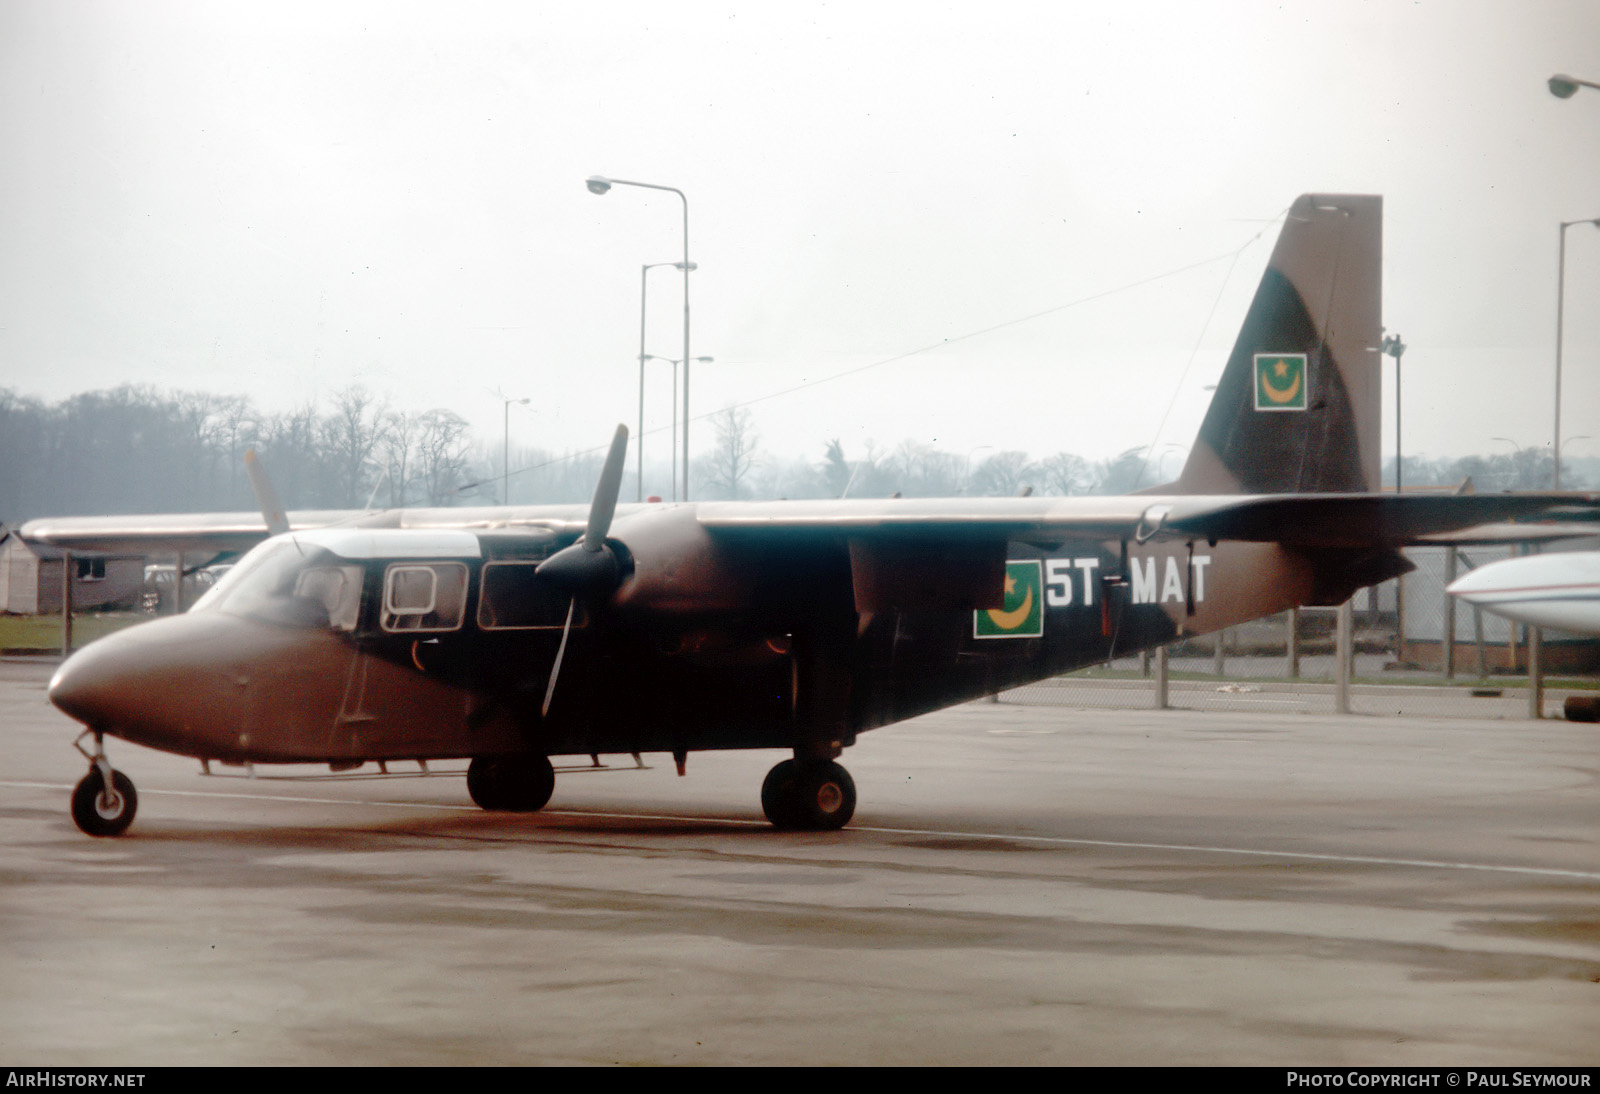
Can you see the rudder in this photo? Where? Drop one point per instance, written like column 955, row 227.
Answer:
column 1298, row 407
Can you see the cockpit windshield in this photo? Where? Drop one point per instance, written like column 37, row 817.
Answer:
column 291, row 582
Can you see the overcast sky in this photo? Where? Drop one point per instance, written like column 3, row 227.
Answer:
column 283, row 199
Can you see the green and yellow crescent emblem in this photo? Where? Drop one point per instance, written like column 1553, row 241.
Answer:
column 1022, row 613
column 1281, row 381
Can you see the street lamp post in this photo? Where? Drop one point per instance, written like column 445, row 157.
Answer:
column 1561, row 301
column 599, row 184
column 675, row 362
column 1565, row 87
column 1394, row 347
column 639, row 437
column 966, row 468
column 505, row 453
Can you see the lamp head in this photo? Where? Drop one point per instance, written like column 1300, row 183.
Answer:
column 599, row 184
column 1563, row 87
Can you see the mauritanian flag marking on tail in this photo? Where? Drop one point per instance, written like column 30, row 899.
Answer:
column 1280, row 381
column 1022, row 614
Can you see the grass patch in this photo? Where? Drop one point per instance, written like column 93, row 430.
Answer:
column 42, row 633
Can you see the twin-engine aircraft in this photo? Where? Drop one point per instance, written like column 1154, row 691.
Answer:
column 511, row 636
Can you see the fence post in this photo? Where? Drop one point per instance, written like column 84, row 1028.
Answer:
column 1161, row 677
column 1449, row 644
column 1292, row 645
column 1535, row 673
column 1220, row 652
column 66, row 603
column 1344, row 632
column 1400, row 620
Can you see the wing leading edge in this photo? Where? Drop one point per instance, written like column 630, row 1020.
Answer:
column 1292, row 520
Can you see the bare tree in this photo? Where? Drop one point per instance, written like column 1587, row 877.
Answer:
column 396, row 449
column 442, row 455
column 238, row 422
column 834, row 469
column 290, row 448
column 349, row 437
column 1066, row 474
column 1003, row 474
column 922, row 471
column 1119, row 474
column 728, row 465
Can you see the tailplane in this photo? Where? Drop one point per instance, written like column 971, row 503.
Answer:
column 1297, row 408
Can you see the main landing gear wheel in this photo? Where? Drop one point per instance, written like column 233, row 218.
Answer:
column 100, row 811
column 816, row 796
column 511, row 784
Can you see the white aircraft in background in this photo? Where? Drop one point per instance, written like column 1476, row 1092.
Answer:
column 1560, row 589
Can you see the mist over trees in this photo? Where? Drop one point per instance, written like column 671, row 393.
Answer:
column 134, row 449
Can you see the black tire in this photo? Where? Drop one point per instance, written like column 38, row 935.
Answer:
column 101, row 814
column 824, row 797
column 512, row 784
column 777, row 794
column 812, row 797
column 1582, row 708
column 483, row 783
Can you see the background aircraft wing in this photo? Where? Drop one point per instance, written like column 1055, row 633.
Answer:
column 165, row 533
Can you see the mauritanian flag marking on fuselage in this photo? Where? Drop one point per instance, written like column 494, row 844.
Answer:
column 1280, row 381
column 1022, row 614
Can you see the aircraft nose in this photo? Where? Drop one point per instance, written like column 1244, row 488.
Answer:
column 88, row 684
column 162, row 683
column 1469, row 586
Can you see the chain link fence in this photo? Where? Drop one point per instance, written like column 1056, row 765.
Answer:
column 1413, row 650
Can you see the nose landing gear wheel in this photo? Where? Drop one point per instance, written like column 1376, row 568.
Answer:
column 100, row 811
column 512, row 784
column 812, row 797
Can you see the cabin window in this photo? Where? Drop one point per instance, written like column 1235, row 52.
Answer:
column 337, row 589
column 91, row 569
column 514, row 598
column 430, row 596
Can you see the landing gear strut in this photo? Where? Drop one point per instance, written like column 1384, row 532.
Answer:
column 512, row 784
column 811, row 795
column 104, row 801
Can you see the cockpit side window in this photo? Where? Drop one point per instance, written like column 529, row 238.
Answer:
column 287, row 582
column 424, row 596
column 337, row 589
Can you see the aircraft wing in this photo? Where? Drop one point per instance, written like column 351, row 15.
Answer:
column 1502, row 533
column 1367, row 520
column 1294, row 520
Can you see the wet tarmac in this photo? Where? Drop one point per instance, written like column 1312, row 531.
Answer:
column 1021, row 885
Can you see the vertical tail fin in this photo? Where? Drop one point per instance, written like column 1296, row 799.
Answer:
column 1298, row 406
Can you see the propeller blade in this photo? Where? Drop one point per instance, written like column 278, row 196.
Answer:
column 588, row 567
column 604, row 505
column 555, row 669
column 266, row 497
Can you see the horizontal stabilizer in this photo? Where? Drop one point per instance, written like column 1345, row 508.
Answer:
column 1359, row 520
